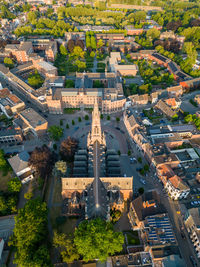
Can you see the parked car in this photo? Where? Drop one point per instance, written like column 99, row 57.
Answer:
column 142, row 181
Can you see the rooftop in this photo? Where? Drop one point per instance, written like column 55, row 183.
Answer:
column 33, row 118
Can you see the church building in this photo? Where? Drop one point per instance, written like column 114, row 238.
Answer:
column 97, row 185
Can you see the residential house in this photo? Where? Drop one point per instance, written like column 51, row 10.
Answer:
column 20, row 166
column 174, row 103
column 133, row 31
column 192, row 224
column 164, row 108
column 175, row 91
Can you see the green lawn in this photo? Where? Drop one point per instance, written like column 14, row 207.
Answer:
column 4, row 178
column 132, row 237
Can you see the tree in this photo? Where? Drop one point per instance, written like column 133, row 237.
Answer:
column 79, row 119
column 108, row 117
column 66, row 247
column 55, row 132
column 117, row 119
column 80, row 43
column 68, row 148
column 3, row 162
column 119, row 152
column 146, row 167
column 100, row 44
column 101, row 116
column 73, row 122
column 70, row 46
column 139, row 160
column 54, row 146
column 3, row 206
column 29, row 235
column 69, row 84
column 28, row 195
column 14, row 185
column 141, row 190
column 67, row 126
column 129, row 153
column 92, row 54
column 8, row 62
column 153, row 34
column 32, row 16
column 96, row 239
column 42, row 160
column 61, row 122
column 86, row 117
column 63, row 50
column 61, row 166
column 35, row 80
column 115, row 215
column 78, row 52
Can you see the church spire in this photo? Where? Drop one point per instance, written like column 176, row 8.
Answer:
column 96, row 133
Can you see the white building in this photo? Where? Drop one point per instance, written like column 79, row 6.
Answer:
column 19, row 164
column 176, row 188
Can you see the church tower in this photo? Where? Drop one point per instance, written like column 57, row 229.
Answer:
column 96, row 134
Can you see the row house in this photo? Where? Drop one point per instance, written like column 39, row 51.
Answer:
column 175, row 91
column 20, row 51
column 192, row 224
column 133, row 31
column 11, row 135
column 173, row 184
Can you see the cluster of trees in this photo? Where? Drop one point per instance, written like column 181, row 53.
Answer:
column 154, row 75
column 43, row 26
column 89, row 15
column 30, row 235
column 35, row 79
column 5, row 13
column 94, row 239
column 8, row 200
column 169, row 45
column 193, row 119
column 90, row 41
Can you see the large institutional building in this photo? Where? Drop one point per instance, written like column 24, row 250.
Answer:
column 101, row 188
column 110, row 96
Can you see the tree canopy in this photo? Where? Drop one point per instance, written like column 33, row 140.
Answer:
column 8, row 62
column 66, row 247
column 96, row 239
column 29, row 237
column 42, row 160
column 55, row 132
column 35, row 80
column 68, row 148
